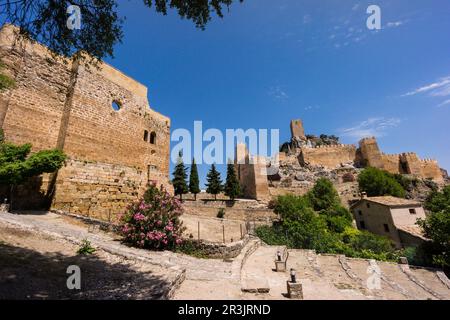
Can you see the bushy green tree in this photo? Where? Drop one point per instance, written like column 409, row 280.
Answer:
column 337, row 218
column 17, row 165
column 101, row 25
column 194, row 183
column 214, row 183
column 5, row 81
column 438, row 201
column 436, row 227
column 323, row 195
column 329, row 230
column 232, row 188
column 377, row 182
column 179, row 177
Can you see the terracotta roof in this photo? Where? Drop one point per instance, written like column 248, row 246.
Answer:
column 391, row 201
column 414, row 230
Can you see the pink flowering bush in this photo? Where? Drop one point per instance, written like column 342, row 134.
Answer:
column 153, row 222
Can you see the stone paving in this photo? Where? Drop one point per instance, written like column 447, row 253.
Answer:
column 251, row 274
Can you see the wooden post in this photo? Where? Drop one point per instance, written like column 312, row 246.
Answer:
column 240, row 227
column 198, row 230
column 223, row 232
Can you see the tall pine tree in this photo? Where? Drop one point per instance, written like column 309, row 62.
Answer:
column 214, row 183
column 179, row 177
column 232, row 188
column 194, row 185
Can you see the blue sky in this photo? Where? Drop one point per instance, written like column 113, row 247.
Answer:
column 268, row 62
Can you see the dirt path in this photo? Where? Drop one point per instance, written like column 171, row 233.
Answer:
column 33, row 266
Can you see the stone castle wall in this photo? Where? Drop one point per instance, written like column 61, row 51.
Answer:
column 391, row 162
column 370, row 153
column 60, row 104
column 328, row 156
column 252, row 175
column 430, row 170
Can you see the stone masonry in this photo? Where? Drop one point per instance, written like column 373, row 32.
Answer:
column 302, row 152
column 99, row 117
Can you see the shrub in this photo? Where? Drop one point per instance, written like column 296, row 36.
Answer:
column 221, row 213
column 329, row 230
column 153, row 222
column 379, row 183
column 192, row 248
column 86, row 248
column 323, row 195
column 436, row 227
column 438, row 201
column 289, row 206
column 337, row 218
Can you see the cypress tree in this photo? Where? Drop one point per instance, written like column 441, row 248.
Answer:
column 179, row 177
column 232, row 188
column 194, row 185
column 214, row 183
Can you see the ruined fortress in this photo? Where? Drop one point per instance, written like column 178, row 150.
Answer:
column 304, row 152
column 99, row 117
column 116, row 144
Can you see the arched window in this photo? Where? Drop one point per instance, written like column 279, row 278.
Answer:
column 145, row 135
column 116, row 105
column 153, row 137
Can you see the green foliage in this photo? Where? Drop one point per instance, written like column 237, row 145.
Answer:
column 221, row 213
column 438, row 201
column 288, row 206
column 16, row 166
column 153, row 222
column 101, row 27
column 5, row 81
column 179, row 177
column 194, row 183
column 337, row 218
column 214, row 183
column 364, row 240
column 436, row 227
column 323, row 195
column 377, row 182
column 86, row 248
column 232, row 188
column 192, row 248
column 329, row 230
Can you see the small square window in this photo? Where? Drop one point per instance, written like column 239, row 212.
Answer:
column 360, row 212
column 386, row 227
column 362, row 225
column 412, row 211
column 368, row 205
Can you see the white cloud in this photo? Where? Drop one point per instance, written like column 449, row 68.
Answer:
column 439, row 88
column 376, row 127
column 310, row 107
column 446, row 102
column 355, row 7
column 395, row 24
column 442, row 84
column 278, row 93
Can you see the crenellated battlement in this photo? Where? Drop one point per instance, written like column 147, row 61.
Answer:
column 335, row 146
